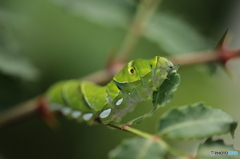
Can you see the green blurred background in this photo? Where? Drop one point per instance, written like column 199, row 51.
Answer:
column 43, row 41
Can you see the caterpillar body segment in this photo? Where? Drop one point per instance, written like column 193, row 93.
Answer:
column 86, row 101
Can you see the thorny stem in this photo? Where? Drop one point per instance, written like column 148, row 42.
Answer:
column 158, row 140
column 194, row 58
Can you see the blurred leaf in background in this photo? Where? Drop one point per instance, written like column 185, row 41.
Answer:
column 172, row 34
column 15, row 67
column 107, row 13
column 12, row 61
column 138, row 148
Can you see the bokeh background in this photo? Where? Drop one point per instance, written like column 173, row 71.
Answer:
column 43, row 41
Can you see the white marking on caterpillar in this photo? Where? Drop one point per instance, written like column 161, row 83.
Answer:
column 105, row 113
column 87, row 116
column 76, row 114
column 66, row 110
column 119, row 101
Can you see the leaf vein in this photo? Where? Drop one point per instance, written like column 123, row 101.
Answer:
column 189, row 123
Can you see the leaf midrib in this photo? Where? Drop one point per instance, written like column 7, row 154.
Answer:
column 189, row 123
column 144, row 149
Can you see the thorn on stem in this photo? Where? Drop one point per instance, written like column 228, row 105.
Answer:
column 224, row 41
column 225, row 54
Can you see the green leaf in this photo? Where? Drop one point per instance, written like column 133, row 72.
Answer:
column 17, row 67
column 164, row 94
column 195, row 121
column 204, row 150
column 138, row 148
column 170, row 32
column 107, row 13
column 12, row 61
column 175, row 35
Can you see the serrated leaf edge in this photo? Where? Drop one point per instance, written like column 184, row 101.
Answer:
column 232, row 126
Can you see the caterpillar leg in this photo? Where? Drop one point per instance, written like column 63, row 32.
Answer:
column 139, row 119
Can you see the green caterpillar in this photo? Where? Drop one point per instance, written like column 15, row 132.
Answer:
column 86, row 101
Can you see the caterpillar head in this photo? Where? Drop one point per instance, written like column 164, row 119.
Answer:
column 140, row 68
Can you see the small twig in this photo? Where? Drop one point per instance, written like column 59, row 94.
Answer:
column 19, row 112
column 194, row 58
column 145, row 11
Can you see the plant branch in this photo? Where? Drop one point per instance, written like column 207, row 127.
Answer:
column 18, row 113
column 194, row 58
